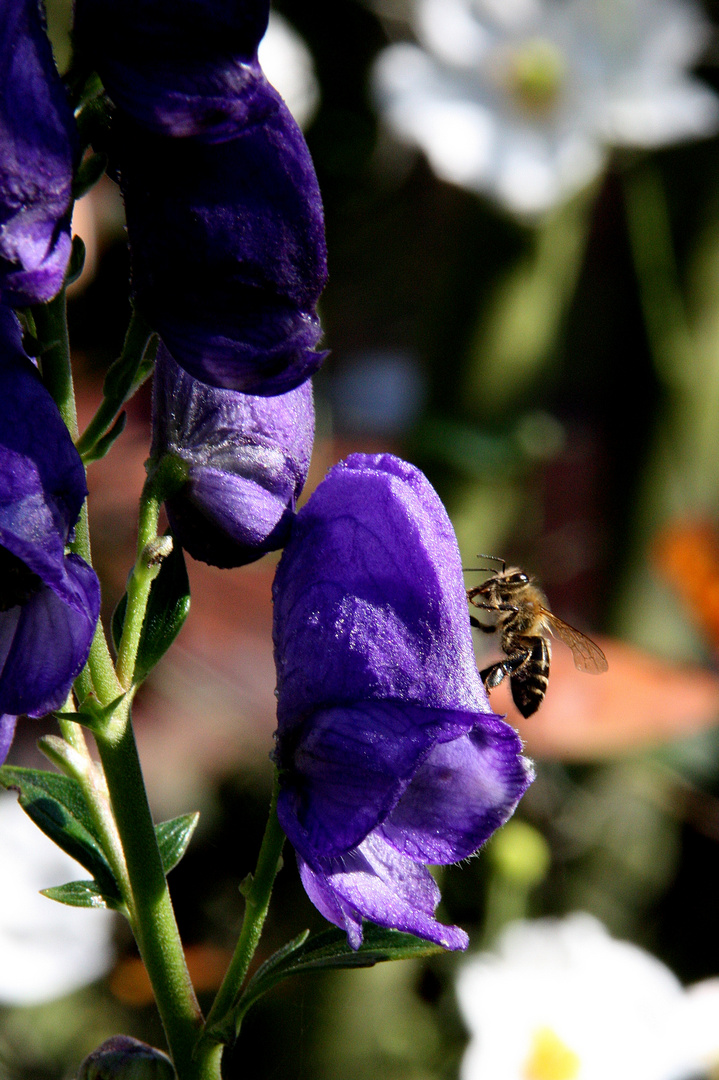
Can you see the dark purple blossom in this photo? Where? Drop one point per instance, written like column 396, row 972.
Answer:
column 390, row 757
column 178, row 67
column 49, row 601
column 125, row 1058
column 224, row 214
column 228, row 250
column 247, row 459
column 38, row 147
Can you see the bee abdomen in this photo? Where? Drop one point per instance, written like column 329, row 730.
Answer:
column 529, row 683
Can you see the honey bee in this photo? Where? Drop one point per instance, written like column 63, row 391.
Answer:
column 523, row 621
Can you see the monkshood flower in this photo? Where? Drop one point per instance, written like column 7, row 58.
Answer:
column 38, row 148
column 523, row 99
column 49, row 601
column 224, row 214
column 584, row 1006
column 390, row 758
column 178, row 67
column 48, row 949
column 228, row 251
column 246, row 457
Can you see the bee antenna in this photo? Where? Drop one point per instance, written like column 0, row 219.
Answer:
column 494, row 558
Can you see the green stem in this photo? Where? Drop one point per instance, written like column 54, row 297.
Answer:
column 169, row 474
column 156, row 930
column 51, row 329
column 257, row 901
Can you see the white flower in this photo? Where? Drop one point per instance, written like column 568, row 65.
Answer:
column 46, row 949
column 562, row 1000
column 288, row 65
column 521, row 99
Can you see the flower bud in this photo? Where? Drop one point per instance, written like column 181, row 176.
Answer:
column 124, row 1058
column 246, row 459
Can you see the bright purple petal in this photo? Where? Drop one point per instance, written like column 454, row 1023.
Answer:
column 38, row 146
column 375, row 882
column 349, row 767
column 7, row 730
column 248, row 459
column 370, row 602
column 459, row 795
column 45, row 642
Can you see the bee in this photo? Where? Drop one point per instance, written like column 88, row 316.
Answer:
column 524, row 621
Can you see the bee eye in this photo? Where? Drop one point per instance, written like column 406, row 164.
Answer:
column 523, row 578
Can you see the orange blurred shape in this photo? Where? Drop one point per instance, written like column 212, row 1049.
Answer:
column 687, row 554
column 207, row 965
column 640, row 702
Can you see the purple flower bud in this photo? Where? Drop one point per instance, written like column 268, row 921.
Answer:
column 178, row 67
column 247, row 460
column 49, row 601
column 125, row 1058
column 38, row 147
column 390, row 757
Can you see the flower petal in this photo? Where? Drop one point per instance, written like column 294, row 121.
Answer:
column 349, row 767
column 461, row 793
column 7, row 730
column 38, row 146
column 370, row 603
column 375, row 882
column 44, row 643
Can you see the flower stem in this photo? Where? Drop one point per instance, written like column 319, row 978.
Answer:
column 51, row 329
column 156, row 930
column 257, row 895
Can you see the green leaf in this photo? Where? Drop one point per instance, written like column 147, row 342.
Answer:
column 167, row 609
column 89, row 172
column 57, row 805
column 321, row 952
column 105, row 444
column 173, row 838
column 81, row 894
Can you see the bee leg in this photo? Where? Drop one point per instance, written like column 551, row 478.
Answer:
column 487, row 628
column 494, row 674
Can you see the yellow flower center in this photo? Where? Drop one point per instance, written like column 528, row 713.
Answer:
column 550, row 1058
column 536, row 72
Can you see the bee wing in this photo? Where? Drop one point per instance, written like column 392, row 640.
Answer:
column 587, row 655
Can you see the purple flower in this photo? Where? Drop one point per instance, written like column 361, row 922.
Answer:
column 247, row 460
column 125, row 1058
column 224, row 214
column 178, row 67
column 228, row 250
column 390, row 758
column 49, row 601
column 38, row 147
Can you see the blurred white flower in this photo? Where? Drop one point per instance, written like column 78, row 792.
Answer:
column 288, row 65
column 46, row 949
column 562, row 1000
column 521, row 99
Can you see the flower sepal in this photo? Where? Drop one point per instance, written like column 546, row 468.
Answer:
column 324, row 951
